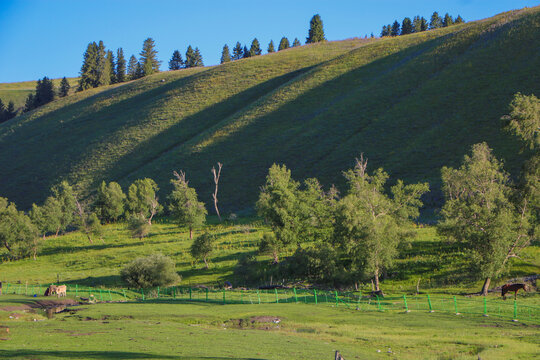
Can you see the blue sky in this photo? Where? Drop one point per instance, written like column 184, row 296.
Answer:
column 48, row 37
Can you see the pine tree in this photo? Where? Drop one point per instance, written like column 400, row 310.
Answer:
column 225, row 54
column 64, row 87
column 283, row 44
column 246, row 52
column 148, row 58
column 386, row 29
column 120, row 66
column 255, row 48
column 190, row 57
column 395, row 29
column 44, row 92
column 423, row 24
column 176, row 62
column 435, row 21
column 104, row 66
column 238, row 53
column 29, row 103
column 89, row 69
column 416, row 24
column 198, row 60
column 10, row 112
column 459, row 20
column 111, row 66
column 132, row 68
column 296, row 43
column 271, row 47
column 316, row 31
column 447, row 21
column 406, row 26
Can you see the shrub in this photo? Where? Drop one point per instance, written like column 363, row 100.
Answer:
column 138, row 226
column 202, row 247
column 150, row 271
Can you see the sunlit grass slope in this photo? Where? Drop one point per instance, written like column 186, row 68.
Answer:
column 412, row 104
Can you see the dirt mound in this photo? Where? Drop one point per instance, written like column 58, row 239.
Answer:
column 265, row 319
column 43, row 304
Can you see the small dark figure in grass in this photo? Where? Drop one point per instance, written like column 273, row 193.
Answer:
column 513, row 287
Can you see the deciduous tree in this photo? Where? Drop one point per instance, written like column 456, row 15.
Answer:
column 202, row 247
column 142, row 198
column 110, row 200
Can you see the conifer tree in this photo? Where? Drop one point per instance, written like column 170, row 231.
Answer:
column 436, row 21
column 139, row 72
column 198, row 60
column 459, row 20
column 104, row 66
column 406, row 26
column 225, row 54
column 238, row 53
column 44, row 92
column 3, row 114
column 255, row 48
column 246, row 52
column 110, row 67
column 283, row 44
column 316, row 31
column 64, row 87
column 89, row 69
column 447, row 21
column 395, row 29
column 132, row 68
column 120, row 66
column 296, row 43
column 190, row 57
column 416, row 24
column 10, row 111
column 148, row 58
column 29, row 103
column 386, row 30
column 271, row 48
column 423, row 24
column 176, row 62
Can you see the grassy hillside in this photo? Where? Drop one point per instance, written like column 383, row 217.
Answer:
column 412, row 104
column 18, row 91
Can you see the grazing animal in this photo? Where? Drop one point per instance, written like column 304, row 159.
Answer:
column 513, row 287
column 61, row 290
column 338, row 356
column 51, row 290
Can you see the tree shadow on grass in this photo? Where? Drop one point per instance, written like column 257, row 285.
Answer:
column 16, row 354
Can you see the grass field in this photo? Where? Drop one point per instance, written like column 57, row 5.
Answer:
column 411, row 104
column 199, row 331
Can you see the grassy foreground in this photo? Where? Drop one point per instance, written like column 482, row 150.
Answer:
column 199, row 331
column 71, row 259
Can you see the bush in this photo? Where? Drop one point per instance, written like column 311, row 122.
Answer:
column 150, row 271
column 138, row 226
column 202, row 247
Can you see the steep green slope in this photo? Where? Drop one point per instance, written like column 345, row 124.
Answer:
column 412, row 104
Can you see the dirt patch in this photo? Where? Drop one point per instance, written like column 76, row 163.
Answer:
column 40, row 304
column 265, row 319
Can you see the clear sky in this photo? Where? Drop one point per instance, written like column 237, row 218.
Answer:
column 48, row 37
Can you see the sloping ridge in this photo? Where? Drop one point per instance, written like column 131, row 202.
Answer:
column 411, row 104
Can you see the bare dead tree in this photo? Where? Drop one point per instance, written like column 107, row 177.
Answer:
column 81, row 214
column 181, row 177
column 153, row 202
column 216, row 181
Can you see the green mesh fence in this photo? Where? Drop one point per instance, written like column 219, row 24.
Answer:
column 456, row 305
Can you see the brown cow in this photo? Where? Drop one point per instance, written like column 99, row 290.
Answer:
column 50, row 290
column 513, row 287
column 61, row 290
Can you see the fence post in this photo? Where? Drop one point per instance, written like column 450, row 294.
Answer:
column 515, row 311
column 277, row 298
column 295, row 296
column 405, row 301
column 7, row 288
column 190, row 293
column 315, row 293
column 378, row 303
column 258, row 296
column 206, row 294
column 224, row 302
column 337, row 299
column 76, row 290
column 110, row 296
column 142, row 292
column 158, row 292
column 430, row 306
column 485, row 307
column 124, row 291
column 100, row 295
column 455, row 305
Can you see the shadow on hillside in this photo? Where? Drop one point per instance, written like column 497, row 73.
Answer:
column 71, row 354
column 91, row 281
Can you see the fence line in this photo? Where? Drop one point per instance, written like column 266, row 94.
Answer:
column 509, row 309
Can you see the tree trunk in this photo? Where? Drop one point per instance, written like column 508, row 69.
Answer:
column 205, row 263
column 57, row 231
column 485, row 288
column 7, row 246
column 276, row 258
column 376, row 280
column 190, row 233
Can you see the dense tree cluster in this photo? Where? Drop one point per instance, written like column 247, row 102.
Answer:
column 44, row 94
column 7, row 112
column 419, row 24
